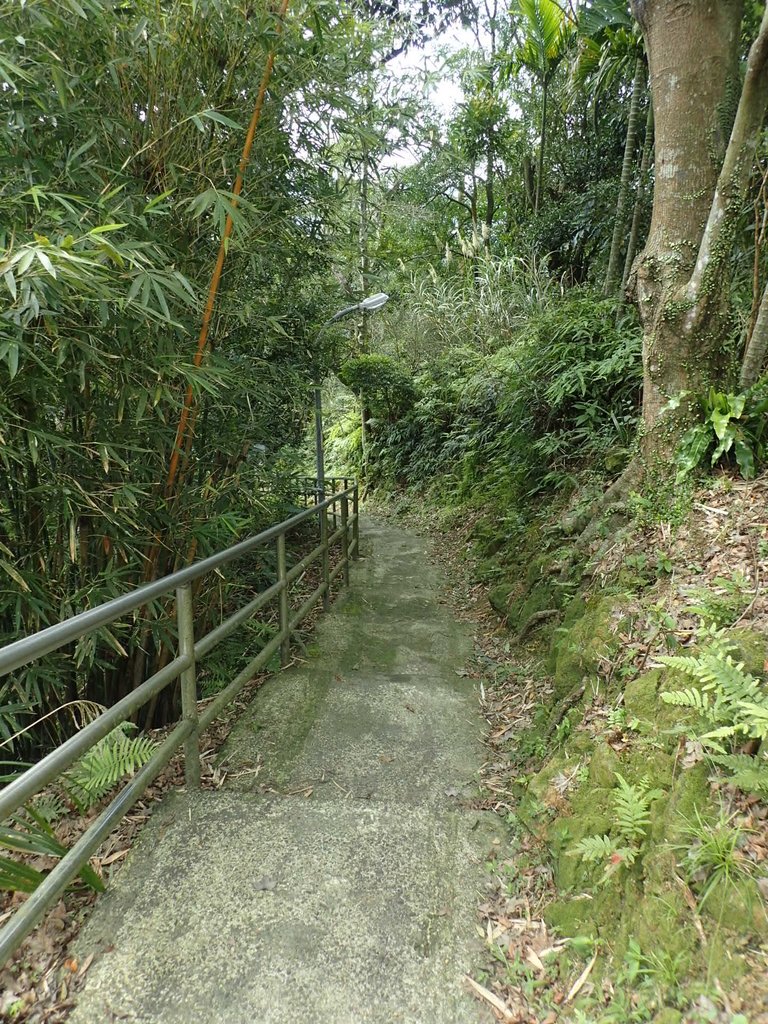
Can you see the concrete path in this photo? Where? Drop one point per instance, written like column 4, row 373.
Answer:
column 347, row 893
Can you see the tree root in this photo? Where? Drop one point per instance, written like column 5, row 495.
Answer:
column 586, row 522
column 565, row 707
column 534, row 621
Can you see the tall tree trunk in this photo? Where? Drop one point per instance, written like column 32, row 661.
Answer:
column 634, row 231
column 630, row 144
column 491, row 12
column 692, row 48
column 528, row 182
column 757, row 347
column 490, row 202
column 542, row 145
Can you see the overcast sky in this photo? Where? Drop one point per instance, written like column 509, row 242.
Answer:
column 444, row 93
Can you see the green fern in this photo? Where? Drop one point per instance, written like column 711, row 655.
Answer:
column 632, row 805
column 105, row 764
column 632, row 816
column 749, row 774
column 49, row 806
column 730, row 700
column 755, row 717
column 592, row 849
column 689, row 698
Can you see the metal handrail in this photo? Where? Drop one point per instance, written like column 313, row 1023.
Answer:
column 21, row 652
column 183, row 667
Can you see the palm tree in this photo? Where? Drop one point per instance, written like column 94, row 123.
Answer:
column 611, row 48
column 544, row 29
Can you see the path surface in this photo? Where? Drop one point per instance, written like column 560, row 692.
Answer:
column 348, row 895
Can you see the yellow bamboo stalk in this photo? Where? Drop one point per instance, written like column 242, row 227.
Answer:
column 186, row 420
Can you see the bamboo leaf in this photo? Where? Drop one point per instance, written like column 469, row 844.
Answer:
column 14, row 574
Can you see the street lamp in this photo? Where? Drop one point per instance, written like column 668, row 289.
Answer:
column 368, row 305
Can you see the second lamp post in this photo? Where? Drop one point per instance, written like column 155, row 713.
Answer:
column 369, row 305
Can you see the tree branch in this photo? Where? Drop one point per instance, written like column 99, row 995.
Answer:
column 734, row 175
column 757, row 346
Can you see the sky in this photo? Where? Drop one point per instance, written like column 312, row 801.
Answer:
column 444, row 93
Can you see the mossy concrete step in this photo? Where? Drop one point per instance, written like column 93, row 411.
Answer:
column 237, row 909
column 380, row 708
column 371, row 737
column 355, row 905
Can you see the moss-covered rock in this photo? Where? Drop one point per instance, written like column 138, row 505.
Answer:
column 646, row 760
column 642, row 701
column 595, row 913
column 668, row 1016
column 594, row 636
column 603, row 765
column 498, row 598
column 751, row 647
column 690, row 793
column 539, row 598
column 648, row 902
column 738, row 905
column 590, row 813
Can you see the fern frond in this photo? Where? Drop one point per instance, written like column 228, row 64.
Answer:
column 683, row 663
column 734, row 762
column 594, row 848
column 754, row 718
column 632, row 804
column 688, row 698
column 751, row 780
column 105, row 764
column 49, row 806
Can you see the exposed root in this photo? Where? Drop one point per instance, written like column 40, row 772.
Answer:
column 587, row 522
column 562, row 711
column 534, row 621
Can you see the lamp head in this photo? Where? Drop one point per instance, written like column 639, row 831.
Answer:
column 374, row 302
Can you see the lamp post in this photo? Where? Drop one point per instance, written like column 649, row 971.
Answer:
column 368, row 305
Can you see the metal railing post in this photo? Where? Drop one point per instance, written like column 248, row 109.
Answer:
column 356, row 522
column 186, row 625
column 326, row 559
column 285, row 618
column 345, row 538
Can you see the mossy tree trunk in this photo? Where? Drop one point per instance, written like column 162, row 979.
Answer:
column 637, row 213
column 630, row 144
column 700, row 183
column 757, row 346
column 542, row 144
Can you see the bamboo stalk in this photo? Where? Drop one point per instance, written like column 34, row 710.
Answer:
column 184, row 431
column 183, row 434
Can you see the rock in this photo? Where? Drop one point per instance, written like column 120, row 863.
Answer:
column 603, row 766
column 499, row 598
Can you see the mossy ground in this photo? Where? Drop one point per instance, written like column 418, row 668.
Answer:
column 676, row 956
column 650, row 909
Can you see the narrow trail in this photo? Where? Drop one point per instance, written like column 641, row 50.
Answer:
column 346, row 893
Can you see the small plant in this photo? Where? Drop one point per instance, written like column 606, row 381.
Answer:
column 632, row 806
column 664, row 565
column 714, row 857
column 28, row 833
column 105, row 764
column 617, row 718
column 730, row 423
column 749, row 774
column 732, row 702
column 664, row 970
column 722, row 603
column 727, row 697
